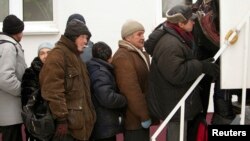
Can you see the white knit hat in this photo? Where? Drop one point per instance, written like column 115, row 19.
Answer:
column 45, row 45
column 131, row 26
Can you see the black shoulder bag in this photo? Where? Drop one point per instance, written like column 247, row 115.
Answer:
column 37, row 117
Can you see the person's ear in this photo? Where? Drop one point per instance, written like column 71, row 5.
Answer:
column 181, row 24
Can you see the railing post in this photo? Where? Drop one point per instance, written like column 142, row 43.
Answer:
column 245, row 68
column 182, row 123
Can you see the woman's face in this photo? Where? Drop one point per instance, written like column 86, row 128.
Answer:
column 43, row 53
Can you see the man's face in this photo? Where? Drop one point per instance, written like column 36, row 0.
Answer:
column 188, row 27
column 81, row 42
column 18, row 36
column 136, row 39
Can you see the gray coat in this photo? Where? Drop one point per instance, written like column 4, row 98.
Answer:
column 12, row 68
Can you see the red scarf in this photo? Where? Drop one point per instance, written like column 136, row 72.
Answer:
column 186, row 36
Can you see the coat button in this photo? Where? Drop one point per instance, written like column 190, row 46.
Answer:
column 80, row 107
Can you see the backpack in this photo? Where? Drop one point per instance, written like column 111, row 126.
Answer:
column 198, row 129
column 37, row 117
column 153, row 38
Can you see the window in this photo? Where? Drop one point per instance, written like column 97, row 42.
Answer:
column 167, row 4
column 37, row 10
column 4, row 4
column 164, row 5
column 38, row 15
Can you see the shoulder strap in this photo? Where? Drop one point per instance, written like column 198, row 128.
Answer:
column 6, row 41
column 32, row 99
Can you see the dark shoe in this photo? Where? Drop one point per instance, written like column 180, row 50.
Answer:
column 223, row 111
column 218, row 119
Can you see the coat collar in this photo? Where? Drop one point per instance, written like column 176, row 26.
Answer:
column 68, row 44
column 129, row 46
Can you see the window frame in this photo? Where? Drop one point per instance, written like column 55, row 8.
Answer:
column 36, row 27
column 159, row 17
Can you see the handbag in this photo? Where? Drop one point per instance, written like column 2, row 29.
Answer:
column 37, row 117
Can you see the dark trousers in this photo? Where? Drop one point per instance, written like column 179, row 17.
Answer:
column 113, row 138
column 173, row 131
column 205, row 85
column 11, row 133
column 29, row 137
column 136, row 135
column 67, row 137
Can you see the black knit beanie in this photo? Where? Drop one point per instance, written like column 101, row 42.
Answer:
column 102, row 51
column 12, row 25
column 76, row 16
column 76, row 28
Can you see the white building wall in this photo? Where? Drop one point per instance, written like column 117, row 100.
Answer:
column 233, row 61
column 103, row 18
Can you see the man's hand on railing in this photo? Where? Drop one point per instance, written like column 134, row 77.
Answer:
column 210, row 68
column 146, row 124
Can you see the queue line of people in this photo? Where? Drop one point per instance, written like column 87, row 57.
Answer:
column 103, row 96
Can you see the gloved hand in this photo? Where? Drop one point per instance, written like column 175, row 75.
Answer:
column 61, row 129
column 210, row 68
column 146, row 124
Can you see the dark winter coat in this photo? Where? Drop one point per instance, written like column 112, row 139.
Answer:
column 173, row 70
column 108, row 102
column 65, row 85
column 30, row 80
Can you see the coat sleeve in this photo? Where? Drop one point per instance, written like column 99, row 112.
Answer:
column 104, row 91
column 128, row 83
column 29, row 85
column 52, row 85
column 8, row 79
column 177, row 65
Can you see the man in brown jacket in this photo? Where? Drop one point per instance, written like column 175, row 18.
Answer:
column 131, row 67
column 65, row 85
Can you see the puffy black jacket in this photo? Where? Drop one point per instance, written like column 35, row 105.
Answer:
column 108, row 102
